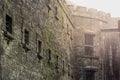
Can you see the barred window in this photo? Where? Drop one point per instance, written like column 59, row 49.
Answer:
column 89, row 44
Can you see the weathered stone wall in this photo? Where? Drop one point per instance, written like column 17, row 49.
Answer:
column 61, row 28
column 40, row 19
column 110, row 50
column 110, row 38
column 87, row 21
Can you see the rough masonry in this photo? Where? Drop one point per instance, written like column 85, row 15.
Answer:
column 54, row 40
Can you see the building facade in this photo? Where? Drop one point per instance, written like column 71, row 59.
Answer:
column 54, row 40
column 110, row 49
column 86, row 62
column 35, row 40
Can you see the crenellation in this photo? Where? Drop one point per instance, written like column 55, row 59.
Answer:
column 80, row 9
column 89, row 12
column 71, row 7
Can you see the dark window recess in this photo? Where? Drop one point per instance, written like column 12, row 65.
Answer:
column 49, row 56
column 48, row 4
column 26, row 41
column 89, row 39
column 88, row 50
column 89, row 75
column 63, row 67
column 57, row 65
column 56, row 13
column 26, row 37
column 39, row 47
column 68, row 70
column 56, row 10
column 8, row 32
column 8, row 24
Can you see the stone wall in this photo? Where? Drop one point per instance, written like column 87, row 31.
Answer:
column 44, row 22
column 87, row 21
column 110, row 38
column 110, row 50
column 48, row 41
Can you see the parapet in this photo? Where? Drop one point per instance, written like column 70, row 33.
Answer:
column 89, row 12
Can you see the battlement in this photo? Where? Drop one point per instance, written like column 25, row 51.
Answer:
column 89, row 12
column 85, row 12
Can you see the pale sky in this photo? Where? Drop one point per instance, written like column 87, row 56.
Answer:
column 108, row 6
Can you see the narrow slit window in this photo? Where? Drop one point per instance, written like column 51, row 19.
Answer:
column 57, row 61
column 39, row 46
column 26, row 37
column 8, row 24
column 49, row 54
column 56, row 10
column 63, row 67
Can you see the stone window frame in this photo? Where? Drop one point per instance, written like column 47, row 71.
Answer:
column 57, row 62
column 9, row 24
column 89, row 45
column 48, row 4
column 90, row 49
column 56, row 12
column 91, row 39
column 63, row 66
column 58, row 66
column 26, row 37
column 50, row 55
column 26, row 46
column 49, row 52
column 39, row 53
column 9, row 35
column 39, row 46
column 69, row 70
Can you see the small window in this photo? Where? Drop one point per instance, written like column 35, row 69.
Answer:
column 39, row 46
column 49, row 55
column 26, row 37
column 88, row 50
column 8, row 24
column 89, row 39
column 57, row 61
column 68, row 70
column 48, row 5
column 39, row 50
column 63, row 67
column 56, row 10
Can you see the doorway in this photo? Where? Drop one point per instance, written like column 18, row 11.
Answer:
column 89, row 75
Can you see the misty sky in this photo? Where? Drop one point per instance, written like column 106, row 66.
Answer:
column 109, row 6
